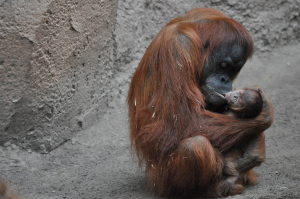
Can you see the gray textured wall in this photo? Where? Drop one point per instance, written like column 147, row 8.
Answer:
column 65, row 63
column 57, row 59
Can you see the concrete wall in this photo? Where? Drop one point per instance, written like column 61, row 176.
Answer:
column 57, row 59
column 63, row 64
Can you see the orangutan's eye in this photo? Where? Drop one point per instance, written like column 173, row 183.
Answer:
column 224, row 64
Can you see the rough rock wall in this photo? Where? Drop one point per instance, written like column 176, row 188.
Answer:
column 63, row 63
column 56, row 60
column 272, row 23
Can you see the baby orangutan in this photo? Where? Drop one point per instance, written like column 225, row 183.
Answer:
column 242, row 103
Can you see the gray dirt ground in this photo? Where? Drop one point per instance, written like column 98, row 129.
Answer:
column 97, row 163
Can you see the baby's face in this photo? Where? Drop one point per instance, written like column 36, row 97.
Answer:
column 234, row 98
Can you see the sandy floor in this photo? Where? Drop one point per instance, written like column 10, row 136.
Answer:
column 97, row 163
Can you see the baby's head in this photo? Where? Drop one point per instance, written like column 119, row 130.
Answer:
column 245, row 102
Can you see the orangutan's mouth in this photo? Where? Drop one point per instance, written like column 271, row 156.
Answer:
column 220, row 94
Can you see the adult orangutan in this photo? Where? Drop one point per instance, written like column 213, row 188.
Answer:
column 175, row 99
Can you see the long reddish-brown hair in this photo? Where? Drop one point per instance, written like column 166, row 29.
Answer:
column 165, row 85
column 166, row 105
